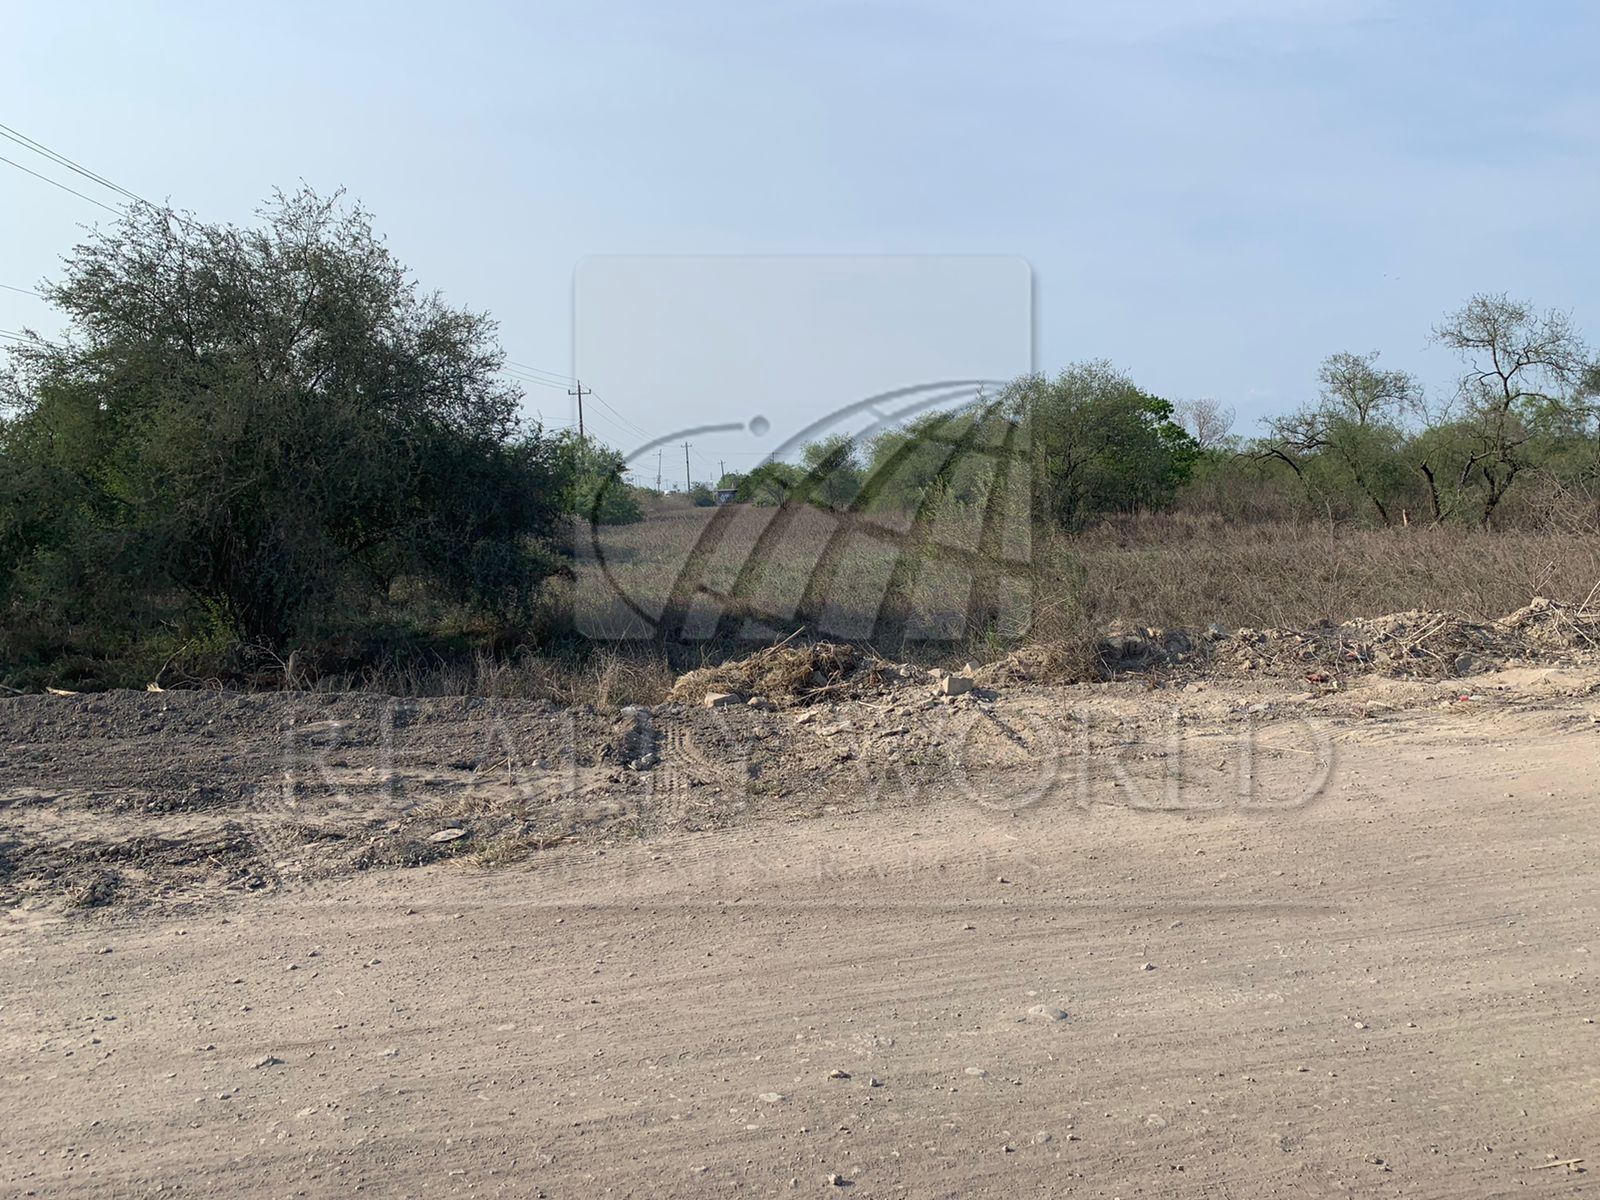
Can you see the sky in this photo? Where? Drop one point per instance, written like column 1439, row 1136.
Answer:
column 664, row 199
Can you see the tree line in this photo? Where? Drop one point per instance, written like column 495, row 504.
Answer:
column 252, row 436
column 1516, row 441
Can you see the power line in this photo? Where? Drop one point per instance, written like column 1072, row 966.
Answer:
column 553, row 379
column 27, row 339
column 634, row 425
column 541, row 371
column 25, row 291
column 62, row 186
column 520, row 378
column 38, row 147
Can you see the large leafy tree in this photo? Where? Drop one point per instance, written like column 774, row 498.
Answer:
column 1102, row 444
column 594, row 483
column 1351, row 439
column 263, row 426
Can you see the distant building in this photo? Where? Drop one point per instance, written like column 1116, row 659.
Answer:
column 726, row 495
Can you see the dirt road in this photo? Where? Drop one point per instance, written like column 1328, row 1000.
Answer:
column 1387, row 990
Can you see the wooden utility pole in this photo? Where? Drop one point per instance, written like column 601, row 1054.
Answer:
column 580, row 393
column 688, row 484
column 658, row 470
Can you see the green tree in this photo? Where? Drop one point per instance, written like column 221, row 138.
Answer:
column 261, row 427
column 936, row 461
column 1351, row 439
column 595, row 489
column 768, row 484
column 1101, row 443
column 833, row 470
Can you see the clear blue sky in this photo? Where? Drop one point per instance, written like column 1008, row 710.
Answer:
column 1213, row 201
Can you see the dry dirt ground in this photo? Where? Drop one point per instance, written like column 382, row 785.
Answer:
column 1207, row 939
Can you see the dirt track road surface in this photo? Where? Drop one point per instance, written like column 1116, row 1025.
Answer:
column 1389, row 991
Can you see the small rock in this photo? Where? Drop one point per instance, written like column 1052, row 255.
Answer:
column 837, row 1180
column 836, row 1073
column 448, row 835
column 955, row 685
column 271, row 1060
column 977, row 1072
column 1045, row 1012
column 721, row 699
column 770, row 1097
column 1149, row 966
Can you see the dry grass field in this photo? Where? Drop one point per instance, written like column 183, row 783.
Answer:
column 1051, row 593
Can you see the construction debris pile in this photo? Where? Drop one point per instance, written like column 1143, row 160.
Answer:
column 1406, row 644
column 788, row 675
column 1417, row 643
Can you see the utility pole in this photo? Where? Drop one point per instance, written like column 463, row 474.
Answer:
column 658, row 470
column 722, row 471
column 580, row 394
column 688, row 484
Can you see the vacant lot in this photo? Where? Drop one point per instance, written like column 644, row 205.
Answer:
column 1220, row 938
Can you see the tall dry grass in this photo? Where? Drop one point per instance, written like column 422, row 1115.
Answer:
column 1170, row 570
column 1190, row 570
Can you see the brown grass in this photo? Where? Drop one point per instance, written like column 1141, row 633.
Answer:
column 1171, row 571
column 1190, row 571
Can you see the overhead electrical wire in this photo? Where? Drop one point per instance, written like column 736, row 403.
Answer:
column 523, row 372
column 38, row 147
column 62, row 186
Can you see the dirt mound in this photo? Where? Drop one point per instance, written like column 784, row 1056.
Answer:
column 1418, row 642
column 788, row 675
column 1415, row 643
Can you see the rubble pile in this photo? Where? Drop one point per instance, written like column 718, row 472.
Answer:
column 1419, row 643
column 789, row 675
column 1412, row 643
